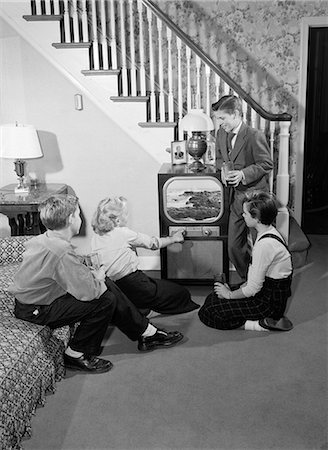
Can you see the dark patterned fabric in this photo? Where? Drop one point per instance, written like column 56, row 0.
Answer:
column 12, row 249
column 31, row 358
column 228, row 314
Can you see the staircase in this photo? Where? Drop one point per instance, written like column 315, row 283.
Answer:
column 140, row 69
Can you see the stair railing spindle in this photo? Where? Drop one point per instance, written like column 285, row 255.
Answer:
column 133, row 69
column 226, row 88
column 188, row 86
column 169, row 75
column 113, row 43
column 56, row 7
column 38, row 8
column 95, row 45
column 84, row 20
column 142, row 72
column 160, row 72
column 103, row 43
column 75, row 20
column 47, row 7
column 67, row 26
column 217, row 82
column 198, row 93
column 282, row 188
column 253, row 118
column 207, row 75
column 244, row 109
column 151, row 67
column 272, row 127
column 262, row 124
column 180, row 107
column 124, row 70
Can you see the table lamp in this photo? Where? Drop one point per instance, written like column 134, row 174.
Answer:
column 19, row 142
column 197, row 123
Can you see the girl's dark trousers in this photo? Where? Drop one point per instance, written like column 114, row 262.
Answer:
column 162, row 296
column 94, row 316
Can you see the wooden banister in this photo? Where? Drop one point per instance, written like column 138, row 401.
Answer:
column 283, row 117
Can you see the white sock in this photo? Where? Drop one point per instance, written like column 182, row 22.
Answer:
column 73, row 353
column 253, row 325
column 149, row 331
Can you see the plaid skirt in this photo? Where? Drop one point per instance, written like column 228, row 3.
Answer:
column 228, row 314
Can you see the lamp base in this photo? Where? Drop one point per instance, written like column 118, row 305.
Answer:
column 22, row 190
column 196, row 166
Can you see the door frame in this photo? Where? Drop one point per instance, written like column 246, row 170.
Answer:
column 306, row 24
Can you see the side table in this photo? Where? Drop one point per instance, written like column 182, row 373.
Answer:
column 22, row 210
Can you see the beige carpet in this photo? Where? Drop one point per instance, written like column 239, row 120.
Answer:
column 217, row 390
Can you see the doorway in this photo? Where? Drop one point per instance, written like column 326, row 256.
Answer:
column 315, row 173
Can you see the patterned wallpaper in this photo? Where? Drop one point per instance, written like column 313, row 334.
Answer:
column 257, row 43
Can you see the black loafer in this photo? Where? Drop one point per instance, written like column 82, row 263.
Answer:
column 283, row 324
column 161, row 339
column 90, row 364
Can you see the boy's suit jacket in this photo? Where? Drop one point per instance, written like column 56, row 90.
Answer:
column 251, row 154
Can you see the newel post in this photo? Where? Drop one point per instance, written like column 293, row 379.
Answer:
column 282, row 192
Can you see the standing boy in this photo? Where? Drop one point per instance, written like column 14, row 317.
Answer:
column 249, row 152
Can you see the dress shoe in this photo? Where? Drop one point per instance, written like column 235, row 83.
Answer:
column 160, row 339
column 87, row 363
column 283, row 324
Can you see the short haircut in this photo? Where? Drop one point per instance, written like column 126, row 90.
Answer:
column 262, row 206
column 228, row 104
column 55, row 211
column 108, row 210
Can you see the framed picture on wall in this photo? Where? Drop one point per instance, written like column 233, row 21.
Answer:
column 179, row 152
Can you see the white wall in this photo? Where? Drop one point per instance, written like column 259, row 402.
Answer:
column 83, row 149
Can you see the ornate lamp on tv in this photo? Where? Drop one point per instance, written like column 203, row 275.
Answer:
column 19, row 142
column 196, row 123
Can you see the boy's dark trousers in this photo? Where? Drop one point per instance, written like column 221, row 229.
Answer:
column 113, row 307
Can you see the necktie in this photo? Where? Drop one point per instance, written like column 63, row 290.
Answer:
column 230, row 136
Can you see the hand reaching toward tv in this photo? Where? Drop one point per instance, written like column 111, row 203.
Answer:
column 178, row 236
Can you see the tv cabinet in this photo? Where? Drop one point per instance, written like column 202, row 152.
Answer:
column 198, row 204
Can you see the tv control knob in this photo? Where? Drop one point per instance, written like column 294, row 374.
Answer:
column 207, row 232
column 184, row 232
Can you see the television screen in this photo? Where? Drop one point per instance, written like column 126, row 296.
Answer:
column 193, row 199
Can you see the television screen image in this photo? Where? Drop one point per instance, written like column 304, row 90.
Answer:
column 193, row 200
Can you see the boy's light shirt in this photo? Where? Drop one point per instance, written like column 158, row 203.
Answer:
column 50, row 269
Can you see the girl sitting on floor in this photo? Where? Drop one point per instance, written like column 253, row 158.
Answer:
column 259, row 304
column 116, row 247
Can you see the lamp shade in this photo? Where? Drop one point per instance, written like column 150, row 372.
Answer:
column 19, row 142
column 196, row 120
